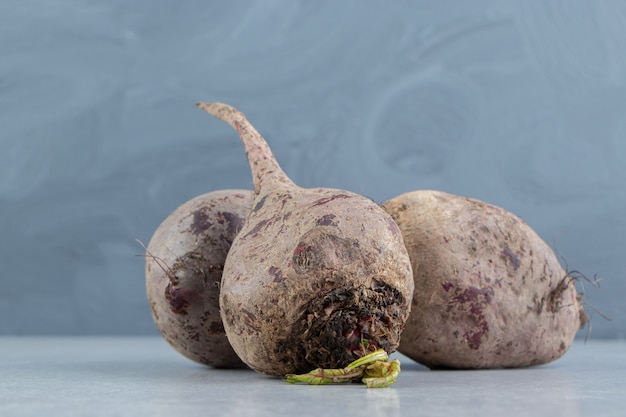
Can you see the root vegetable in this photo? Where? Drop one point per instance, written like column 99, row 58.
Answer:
column 489, row 292
column 316, row 278
column 184, row 263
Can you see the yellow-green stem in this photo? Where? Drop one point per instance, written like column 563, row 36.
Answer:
column 372, row 368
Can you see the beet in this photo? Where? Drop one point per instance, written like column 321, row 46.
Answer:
column 489, row 292
column 184, row 263
column 316, row 277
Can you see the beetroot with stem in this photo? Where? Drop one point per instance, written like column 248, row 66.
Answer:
column 316, row 278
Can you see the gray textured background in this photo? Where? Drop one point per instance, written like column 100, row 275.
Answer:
column 519, row 103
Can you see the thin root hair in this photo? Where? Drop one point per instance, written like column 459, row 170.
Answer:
column 160, row 262
column 580, row 278
column 576, row 275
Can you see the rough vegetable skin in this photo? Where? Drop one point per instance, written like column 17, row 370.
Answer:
column 489, row 292
column 316, row 277
column 184, row 263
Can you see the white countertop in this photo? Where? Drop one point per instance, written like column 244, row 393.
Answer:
column 143, row 376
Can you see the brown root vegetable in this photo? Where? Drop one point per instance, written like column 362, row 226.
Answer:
column 489, row 292
column 316, row 278
column 184, row 263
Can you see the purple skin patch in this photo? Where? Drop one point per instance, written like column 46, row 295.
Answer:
column 326, row 220
column 326, row 200
column 511, row 256
column 393, row 227
column 477, row 298
column 260, row 204
column 233, row 222
column 177, row 299
column 277, row 274
column 200, row 222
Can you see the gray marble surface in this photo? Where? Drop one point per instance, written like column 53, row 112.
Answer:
column 143, row 376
